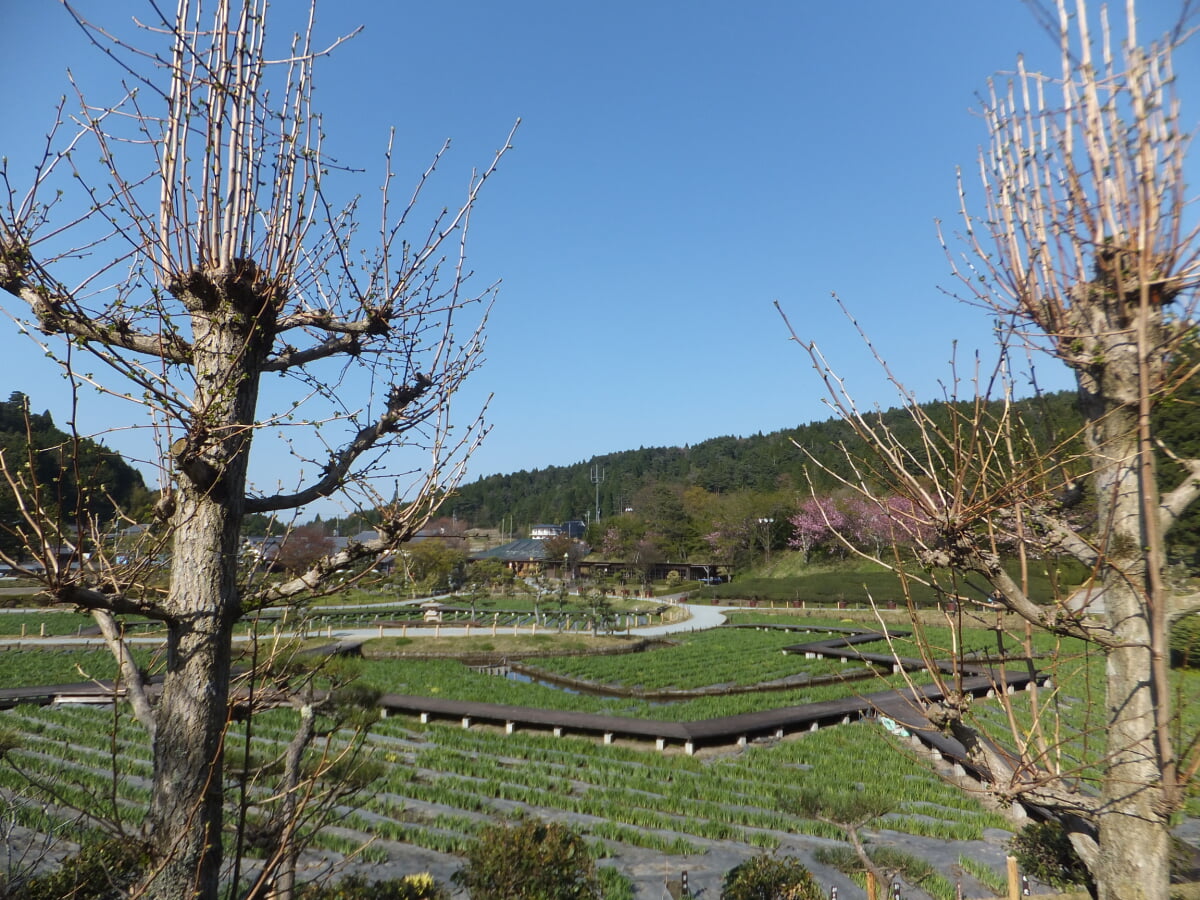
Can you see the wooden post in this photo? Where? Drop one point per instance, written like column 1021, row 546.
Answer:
column 871, row 892
column 1014, row 879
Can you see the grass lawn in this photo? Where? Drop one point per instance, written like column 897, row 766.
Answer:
column 857, row 583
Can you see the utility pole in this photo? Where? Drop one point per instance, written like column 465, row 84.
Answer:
column 597, row 479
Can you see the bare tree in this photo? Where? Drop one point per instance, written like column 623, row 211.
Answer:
column 1085, row 250
column 223, row 258
column 303, row 546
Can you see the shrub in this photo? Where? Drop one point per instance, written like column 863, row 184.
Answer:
column 1185, row 642
column 1044, row 852
column 354, row 887
column 770, row 878
column 535, row 859
column 104, row 870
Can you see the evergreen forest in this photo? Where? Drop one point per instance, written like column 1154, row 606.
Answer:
column 728, row 499
column 681, row 496
column 757, row 464
column 74, row 478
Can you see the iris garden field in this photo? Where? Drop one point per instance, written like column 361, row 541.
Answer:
column 428, row 788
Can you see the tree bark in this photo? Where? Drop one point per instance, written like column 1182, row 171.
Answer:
column 1134, row 858
column 232, row 325
column 1134, row 817
column 285, row 880
column 184, row 821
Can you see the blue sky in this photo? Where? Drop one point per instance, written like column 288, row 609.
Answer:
column 680, row 167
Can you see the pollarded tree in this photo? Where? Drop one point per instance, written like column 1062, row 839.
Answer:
column 1085, row 250
column 224, row 258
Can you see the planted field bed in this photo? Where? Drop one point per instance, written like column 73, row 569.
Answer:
column 516, row 614
column 29, row 666
column 76, row 766
column 439, row 784
column 643, row 811
column 709, row 659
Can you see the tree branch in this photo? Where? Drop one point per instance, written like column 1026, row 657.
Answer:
column 131, row 675
column 56, row 312
column 392, row 421
column 93, row 600
column 1175, row 504
column 1010, row 778
column 291, row 358
column 1062, row 536
column 356, row 552
column 1056, row 617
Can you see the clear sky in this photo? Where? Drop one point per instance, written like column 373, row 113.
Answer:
column 680, row 167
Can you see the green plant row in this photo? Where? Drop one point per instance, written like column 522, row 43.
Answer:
column 439, row 782
column 447, row 678
column 994, row 881
column 725, row 656
column 464, row 774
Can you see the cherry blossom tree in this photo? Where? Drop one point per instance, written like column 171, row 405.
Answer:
column 817, row 522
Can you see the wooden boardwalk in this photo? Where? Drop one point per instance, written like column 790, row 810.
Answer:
column 902, row 706
column 47, row 695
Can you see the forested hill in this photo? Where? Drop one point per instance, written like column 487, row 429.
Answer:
column 760, row 463
column 63, row 471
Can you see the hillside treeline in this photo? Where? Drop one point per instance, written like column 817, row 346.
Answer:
column 727, row 499
column 70, row 477
column 760, row 463
column 732, row 499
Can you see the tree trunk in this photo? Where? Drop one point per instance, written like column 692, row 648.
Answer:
column 184, row 822
column 289, row 853
column 1134, row 858
column 1134, row 835
column 232, row 329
